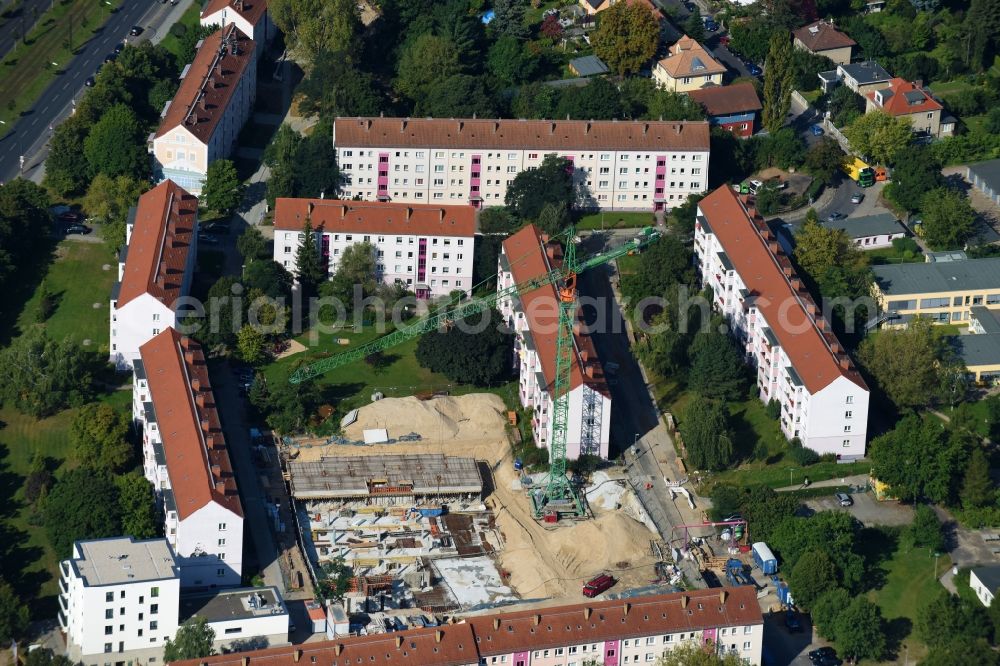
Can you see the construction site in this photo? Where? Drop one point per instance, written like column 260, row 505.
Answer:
column 442, row 520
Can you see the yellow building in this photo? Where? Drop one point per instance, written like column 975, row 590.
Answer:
column 688, row 67
column 944, row 289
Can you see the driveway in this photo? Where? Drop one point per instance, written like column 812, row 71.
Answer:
column 868, row 510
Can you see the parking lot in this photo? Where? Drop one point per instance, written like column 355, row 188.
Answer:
column 868, row 510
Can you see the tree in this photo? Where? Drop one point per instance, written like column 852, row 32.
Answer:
column 135, row 497
column 983, row 27
column 47, row 302
column 551, row 183
column 827, row 609
column 845, row 106
column 806, row 66
column 707, row 436
column 109, row 199
column 309, row 267
column 280, row 156
column 315, row 165
column 465, row 354
column 116, row 144
column 250, row 344
column 24, row 227
column 83, row 504
column 717, row 369
column 778, row 82
column 510, row 60
column 598, row 100
column 860, row 630
column 551, row 28
column 39, row 376
column 925, row 530
column 662, row 264
column 222, row 190
column 959, row 652
column 335, row 87
column 917, row 172
column 46, row 657
column 193, row 640
column 461, row 95
column 336, row 579
column 834, row 533
column 814, row 573
column 65, row 173
column 694, row 27
column 224, row 319
column 497, row 220
column 831, row 260
column 355, row 272
column 879, row 135
column 948, row 218
column 977, row 487
column 626, row 37
column 427, row 59
column 268, row 277
column 36, row 484
column 312, row 27
column 752, row 38
column 946, row 617
column 100, row 438
column 823, row 160
column 553, row 218
column 286, row 407
column 783, row 149
column 906, row 363
column 13, row 615
column 696, row 654
column 508, row 18
column 252, row 245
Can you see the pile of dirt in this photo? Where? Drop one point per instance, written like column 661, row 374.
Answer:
column 468, row 417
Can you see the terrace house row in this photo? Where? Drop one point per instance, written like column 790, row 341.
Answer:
column 616, row 165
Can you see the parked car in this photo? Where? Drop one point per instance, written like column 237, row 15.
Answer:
column 111, row 57
column 824, row 656
column 69, row 217
column 711, row 25
column 858, row 197
column 136, row 30
column 691, row 7
column 816, row 130
column 724, row 40
column 844, row 499
column 78, row 229
column 833, row 217
column 119, row 47
column 89, row 82
column 754, row 69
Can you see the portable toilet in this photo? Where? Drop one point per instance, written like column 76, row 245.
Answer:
column 764, row 558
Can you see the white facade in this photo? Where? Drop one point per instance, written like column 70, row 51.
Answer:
column 118, row 600
column 983, row 581
column 831, row 419
column 613, row 178
column 252, row 617
column 224, row 13
column 447, row 259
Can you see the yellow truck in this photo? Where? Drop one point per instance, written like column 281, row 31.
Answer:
column 860, row 172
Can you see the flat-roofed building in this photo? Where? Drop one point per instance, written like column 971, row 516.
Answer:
column 943, row 291
column 798, row 360
column 426, row 248
column 870, row 232
column 247, row 616
column 203, row 121
column 118, row 600
column 534, row 318
column 620, row 165
column 155, row 269
column 186, row 459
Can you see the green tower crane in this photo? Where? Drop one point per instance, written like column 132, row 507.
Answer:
column 558, row 496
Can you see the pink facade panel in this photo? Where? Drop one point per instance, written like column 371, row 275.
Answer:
column 612, row 653
column 522, row 658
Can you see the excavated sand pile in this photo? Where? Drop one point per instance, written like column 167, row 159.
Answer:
column 466, row 417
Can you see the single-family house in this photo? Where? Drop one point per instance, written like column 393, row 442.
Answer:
column 594, row 7
column 733, row 108
column 870, row 232
column 904, row 99
column 822, row 38
column 688, row 67
column 861, row 77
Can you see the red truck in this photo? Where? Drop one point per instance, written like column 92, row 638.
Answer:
column 594, row 587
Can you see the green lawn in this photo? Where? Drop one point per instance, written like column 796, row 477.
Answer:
column 190, row 19
column 78, row 280
column 615, row 220
column 27, row 70
column 950, row 87
column 889, row 255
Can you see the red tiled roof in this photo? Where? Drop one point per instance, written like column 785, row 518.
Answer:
column 597, row 621
column 822, row 36
column 727, row 100
column 528, row 257
column 520, row 134
column 195, row 450
column 158, row 247
column 763, row 270
column 375, row 217
column 689, row 58
column 448, row 645
column 895, row 102
column 209, row 84
column 251, row 10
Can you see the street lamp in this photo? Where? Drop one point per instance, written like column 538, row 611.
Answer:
column 790, row 470
column 936, row 556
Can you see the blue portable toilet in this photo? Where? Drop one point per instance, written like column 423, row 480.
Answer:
column 764, row 558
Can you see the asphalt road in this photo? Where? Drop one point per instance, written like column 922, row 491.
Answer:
column 29, row 135
column 20, row 22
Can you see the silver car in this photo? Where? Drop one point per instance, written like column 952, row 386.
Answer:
column 844, row 499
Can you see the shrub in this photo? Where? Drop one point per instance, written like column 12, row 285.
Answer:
column 804, row 456
column 178, row 30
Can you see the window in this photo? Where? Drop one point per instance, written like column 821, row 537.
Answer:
column 222, row 542
column 846, row 443
column 850, row 400
column 107, row 647
column 848, row 414
column 847, row 428
column 234, row 630
column 108, row 629
column 153, row 625
column 154, row 609
column 746, row 645
column 109, row 613
column 155, row 592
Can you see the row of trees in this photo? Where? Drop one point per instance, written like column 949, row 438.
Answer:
column 24, row 223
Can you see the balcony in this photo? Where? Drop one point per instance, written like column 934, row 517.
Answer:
column 62, row 621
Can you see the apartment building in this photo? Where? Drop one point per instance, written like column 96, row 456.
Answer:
column 118, row 600
column 943, row 291
column 155, row 269
column 204, row 119
column 689, row 66
column 186, row 460
column 612, row 633
column 904, row 99
column 626, row 165
column 798, row 360
column 427, row 248
column 534, row 317
column 822, row 38
column 250, row 16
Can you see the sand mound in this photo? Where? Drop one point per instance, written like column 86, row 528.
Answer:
column 589, row 547
column 466, row 417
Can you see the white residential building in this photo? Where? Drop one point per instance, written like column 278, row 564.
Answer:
column 534, row 317
column 985, row 582
column 798, row 360
column 640, row 165
column 247, row 615
column 186, row 460
column 429, row 249
column 250, row 16
column 203, row 121
column 118, row 600
column 155, row 269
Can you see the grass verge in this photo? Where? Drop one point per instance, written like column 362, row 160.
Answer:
column 190, row 19
column 615, row 220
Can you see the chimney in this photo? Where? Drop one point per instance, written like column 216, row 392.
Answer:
column 461, row 125
column 588, row 370
column 399, row 641
column 584, row 355
column 576, row 327
column 811, row 308
column 402, row 126
column 645, row 129
column 496, row 127
column 220, row 487
column 296, row 655
column 552, row 128
column 918, row 84
column 309, row 208
column 196, row 385
column 796, row 283
column 835, row 347
column 409, row 213
column 217, row 471
column 772, row 247
column 821, row 323
column 441, row 215
column 200, row 400
column 550, row 251
column 845, row 361
column 536, row 619
column 684, row 601
column 626, row 608
column 339, row 647
column 438, row 635
column 677, row 129
column 206, row 425
column 245, row 661
column 586, row 613
column 496, row 623
column 722, row 596
column 587, row 130
column 368, row 126
column 787, row 270
column 189, row 357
